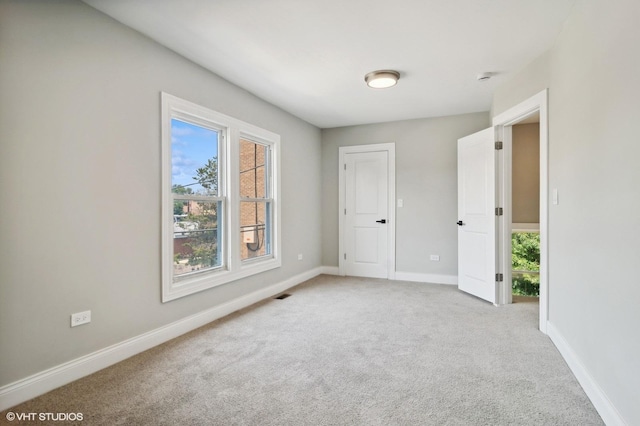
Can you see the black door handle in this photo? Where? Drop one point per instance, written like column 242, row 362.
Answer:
column 381, row 221
column 460, row 223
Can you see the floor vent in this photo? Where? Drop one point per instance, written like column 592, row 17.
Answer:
column 282, row 296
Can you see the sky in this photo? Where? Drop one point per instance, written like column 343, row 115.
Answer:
column 191, row 147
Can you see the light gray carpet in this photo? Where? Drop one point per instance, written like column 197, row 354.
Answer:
column 343, row 351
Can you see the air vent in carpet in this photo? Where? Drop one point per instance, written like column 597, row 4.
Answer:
column 282, row 296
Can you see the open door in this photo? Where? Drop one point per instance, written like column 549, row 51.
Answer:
column 477, row 215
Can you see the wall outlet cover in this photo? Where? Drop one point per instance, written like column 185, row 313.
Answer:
column 80, row 318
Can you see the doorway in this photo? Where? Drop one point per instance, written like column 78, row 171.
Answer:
column 367, row 210
column 525, row 209
column 531, row 109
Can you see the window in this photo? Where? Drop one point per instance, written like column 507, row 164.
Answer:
column 255, row 200
column 220, row 217
column 197, row 202
column 525, row 263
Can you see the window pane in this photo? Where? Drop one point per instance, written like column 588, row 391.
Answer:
column 255, row 229
column 194, row 171
column 196, row 236
column 194, row 159
column 253, row 173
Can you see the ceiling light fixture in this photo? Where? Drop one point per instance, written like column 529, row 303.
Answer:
column 382, row 79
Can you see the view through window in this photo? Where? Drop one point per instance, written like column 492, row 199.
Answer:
column 525, row 263
column 197, row 206
column 255, row 203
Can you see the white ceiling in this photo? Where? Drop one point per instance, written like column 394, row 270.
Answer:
column 309, row 57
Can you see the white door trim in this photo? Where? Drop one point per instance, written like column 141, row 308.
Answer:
column 390, row 148
column 504, row 121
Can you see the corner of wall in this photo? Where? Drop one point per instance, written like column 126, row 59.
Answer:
column 522, row 85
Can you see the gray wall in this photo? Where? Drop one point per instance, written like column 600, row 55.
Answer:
column 594, row 129
column 426, row 180
column 80, row 182
column 511, row 92
column 526, row 173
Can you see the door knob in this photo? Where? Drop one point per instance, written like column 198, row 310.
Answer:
column 460, row 223
column 381, row 221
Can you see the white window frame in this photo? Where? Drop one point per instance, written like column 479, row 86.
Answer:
column 231, row 130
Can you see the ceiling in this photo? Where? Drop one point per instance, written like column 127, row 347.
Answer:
column 309, row 57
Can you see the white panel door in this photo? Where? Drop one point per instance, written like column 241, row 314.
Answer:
column 366, row 214
column 476, row 215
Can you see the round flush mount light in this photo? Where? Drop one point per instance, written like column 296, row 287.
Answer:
column 382, row 79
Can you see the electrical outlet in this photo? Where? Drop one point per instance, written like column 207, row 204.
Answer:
column 80, row 318
column 435, row 258
column 300, row 256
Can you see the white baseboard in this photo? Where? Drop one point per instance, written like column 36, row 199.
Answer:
column 406, row 276
column 40, row 383
column 598, row 398
column 427, row 278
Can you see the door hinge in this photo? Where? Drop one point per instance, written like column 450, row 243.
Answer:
column 499, row 211
column 345, row 211
column 498, row 145
column 345, row 256
column 345, row 166
column 499, row 278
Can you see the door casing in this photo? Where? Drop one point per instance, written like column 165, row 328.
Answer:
column 390, row 148
column 503, row 123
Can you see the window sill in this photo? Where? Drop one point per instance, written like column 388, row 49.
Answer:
column 525, row 227
column 213, row 279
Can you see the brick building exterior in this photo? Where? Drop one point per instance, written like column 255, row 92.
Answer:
column 253, row 215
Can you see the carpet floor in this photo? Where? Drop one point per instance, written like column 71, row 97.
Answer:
column 342, row 351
